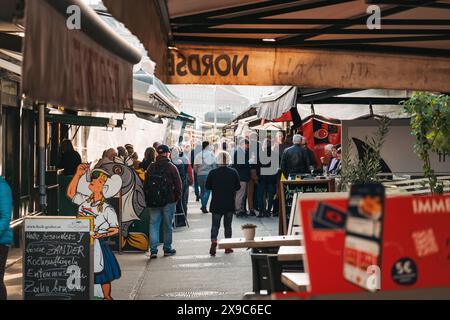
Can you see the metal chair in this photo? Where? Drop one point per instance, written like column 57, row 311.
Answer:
column 177, row 214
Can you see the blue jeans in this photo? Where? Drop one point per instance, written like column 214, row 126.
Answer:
column 165, row 214
column 204, row 193
column 196, row 186
column 264, row 187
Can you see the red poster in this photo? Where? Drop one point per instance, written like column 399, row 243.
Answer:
column 415, row 246
column 320, row 133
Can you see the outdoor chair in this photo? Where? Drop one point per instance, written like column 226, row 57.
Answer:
column 277, row 267
column 260, row 273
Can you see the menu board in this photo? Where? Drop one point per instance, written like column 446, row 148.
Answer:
column 58, row 259
column 292, row 187
column 415, row 246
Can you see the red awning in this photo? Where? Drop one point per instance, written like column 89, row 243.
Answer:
column 284, row 117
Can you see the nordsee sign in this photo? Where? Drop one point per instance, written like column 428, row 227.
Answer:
column 268, row 66
column 208, row 64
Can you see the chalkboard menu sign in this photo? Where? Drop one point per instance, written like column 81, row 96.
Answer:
column 58, row 259
column 292, row 187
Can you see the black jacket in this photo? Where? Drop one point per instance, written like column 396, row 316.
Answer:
column 311, row 157
column 242, row 165
column 294, row 160
column 223, row 182
column 69, row 161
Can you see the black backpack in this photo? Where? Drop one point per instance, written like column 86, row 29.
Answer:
column 158, row 189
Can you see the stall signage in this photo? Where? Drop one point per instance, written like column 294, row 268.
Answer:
column 265, row 66
column 415, row 246
column 78, row 72
column 57, row 260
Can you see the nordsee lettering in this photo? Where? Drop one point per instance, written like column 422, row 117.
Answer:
column 208, row 65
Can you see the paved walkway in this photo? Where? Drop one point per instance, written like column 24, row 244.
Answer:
column 191, row 274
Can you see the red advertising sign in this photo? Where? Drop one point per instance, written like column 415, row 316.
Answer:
column 320, row 133
column 415, row 247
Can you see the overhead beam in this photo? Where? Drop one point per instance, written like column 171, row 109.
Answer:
column 315, row 43
column 270, row 11
column 10, row 42
column 344, row 22
column 358, row 100
column 307, row 31
column 354, row 46
column 234, row 9
column 316, row 96
column 410, row 3
column 385, row 12
column 222, row 65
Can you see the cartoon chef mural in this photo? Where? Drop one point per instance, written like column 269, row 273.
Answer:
column 90, row 190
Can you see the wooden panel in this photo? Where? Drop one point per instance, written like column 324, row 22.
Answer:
column 291, row 253
column 225, row 65
column 295, row 280
column 261, row 242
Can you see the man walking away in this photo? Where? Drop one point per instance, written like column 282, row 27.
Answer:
column 6, row 235
column 223, row 183
column 204, row 162
column 295, row 159
column 241, row 163
column 162, row 192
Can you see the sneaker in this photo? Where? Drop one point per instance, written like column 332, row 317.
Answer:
column 153, row 256
column 252, row 213
column 229, row 250
column 243, row 214
column 212, row 250
column 197, row 199
column 169, row 253
column 204, row 210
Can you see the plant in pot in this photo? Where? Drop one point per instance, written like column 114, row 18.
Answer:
column 249, row 230
column 430, row 124
column 366, row 168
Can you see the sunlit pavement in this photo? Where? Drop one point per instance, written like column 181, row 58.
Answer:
column 191, row 274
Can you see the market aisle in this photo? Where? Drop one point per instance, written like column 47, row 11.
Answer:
column 192, row 273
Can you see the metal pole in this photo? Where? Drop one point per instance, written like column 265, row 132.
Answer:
column 42, row 160
column 215, row 111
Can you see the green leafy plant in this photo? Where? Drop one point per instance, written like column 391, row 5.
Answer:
column 430, row 124
column 366, row 168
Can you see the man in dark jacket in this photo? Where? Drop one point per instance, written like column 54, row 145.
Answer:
column 70, row 159
column 294, row 159
column 166, row 214
column 241, row 163
column 309, row 153
column 223, row 182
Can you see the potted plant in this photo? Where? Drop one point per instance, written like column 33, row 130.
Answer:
column 368, row 166
column 249, row 230
column 430, row 125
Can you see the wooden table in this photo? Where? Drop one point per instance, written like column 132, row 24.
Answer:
column 261, row 242
column 297, row 281
column 291, row 253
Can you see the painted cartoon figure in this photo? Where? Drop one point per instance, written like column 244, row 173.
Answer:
column 89, row 190
column 134, row 228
